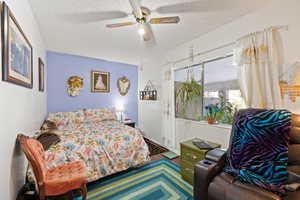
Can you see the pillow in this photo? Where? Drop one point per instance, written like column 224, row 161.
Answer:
column 48, row 139
column 66, row 118
column 48, row 125
column 98, row 115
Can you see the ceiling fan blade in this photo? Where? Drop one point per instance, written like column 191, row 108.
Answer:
column 136, row 7
column 116, row 25
column 148, row 35
column 89, row 17
column 196, row 6
column 165, row 20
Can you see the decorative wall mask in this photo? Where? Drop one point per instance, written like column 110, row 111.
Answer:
column 123, row 84
column 75, row 84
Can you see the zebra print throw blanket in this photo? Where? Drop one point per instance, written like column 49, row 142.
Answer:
column 259, row 148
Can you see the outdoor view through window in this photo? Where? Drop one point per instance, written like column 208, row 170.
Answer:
column 208, row 90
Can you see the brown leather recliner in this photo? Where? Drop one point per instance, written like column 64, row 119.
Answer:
column 211, row 183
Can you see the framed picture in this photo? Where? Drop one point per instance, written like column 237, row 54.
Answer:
column 41, row 75
column 100, row 81
column 17, row 51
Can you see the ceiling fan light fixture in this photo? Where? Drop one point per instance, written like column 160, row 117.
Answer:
column 141, row 20
column 141, row 31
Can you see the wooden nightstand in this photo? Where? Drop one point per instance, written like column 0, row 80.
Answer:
column 131, row 124
column 189, row 156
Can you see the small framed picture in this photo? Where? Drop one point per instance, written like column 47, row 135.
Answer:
column 100, row 81
column 17, row 51
column 41, row 75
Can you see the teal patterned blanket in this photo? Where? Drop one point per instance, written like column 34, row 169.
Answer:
column 259, row 148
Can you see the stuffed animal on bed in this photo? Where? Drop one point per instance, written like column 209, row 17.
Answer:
column 48, row 125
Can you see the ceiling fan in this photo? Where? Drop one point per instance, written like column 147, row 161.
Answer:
column 142, row 17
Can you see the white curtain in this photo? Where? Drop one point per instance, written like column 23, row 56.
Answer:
column 168, row 112
column 259, row 59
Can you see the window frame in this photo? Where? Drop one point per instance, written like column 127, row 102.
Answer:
column 202, row 64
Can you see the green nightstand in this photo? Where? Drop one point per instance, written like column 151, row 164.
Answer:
column 190, row 155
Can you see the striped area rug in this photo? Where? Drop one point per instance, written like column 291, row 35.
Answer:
column 159, row 180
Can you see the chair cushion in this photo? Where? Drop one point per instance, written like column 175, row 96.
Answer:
column 295, row 135
column 64, row 178
column 293, row 154
column 225, row 187
column 292, row 195
column 294, row 168
column 296, row 120
column 37, row 151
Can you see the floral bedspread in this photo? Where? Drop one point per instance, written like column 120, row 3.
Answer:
column 105, row 147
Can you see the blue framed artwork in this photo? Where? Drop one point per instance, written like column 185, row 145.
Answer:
column 17, row 51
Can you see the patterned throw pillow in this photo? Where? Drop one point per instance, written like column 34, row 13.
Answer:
column 66, row 118
column 98, row 115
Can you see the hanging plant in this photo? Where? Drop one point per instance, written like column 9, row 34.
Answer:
column 188, row 91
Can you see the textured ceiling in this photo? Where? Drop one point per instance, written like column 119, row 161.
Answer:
column 63, row 32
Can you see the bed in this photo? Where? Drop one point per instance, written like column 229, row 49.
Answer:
column 106, row 145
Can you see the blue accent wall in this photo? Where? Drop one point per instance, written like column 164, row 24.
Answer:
column 61, row 66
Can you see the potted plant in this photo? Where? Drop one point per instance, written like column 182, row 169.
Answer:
column 226, row 111
column 211, row 113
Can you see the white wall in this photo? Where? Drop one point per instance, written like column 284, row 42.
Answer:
column 278, row 12
column 187, row 129
column 150, row 111
column 22, row 109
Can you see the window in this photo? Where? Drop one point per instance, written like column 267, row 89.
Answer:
column 218, row 81
column 235, row 97
column 221, row 89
